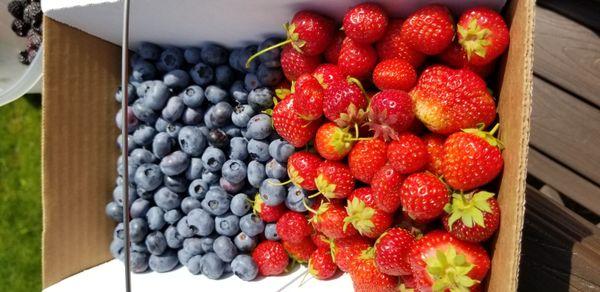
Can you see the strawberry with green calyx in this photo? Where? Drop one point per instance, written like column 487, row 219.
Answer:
column 366, row 157
column 391, row 251
column 267, row 213
column 429, row 30
column 393, row 46
column 456, row 57
column 366, row 277
column 308, row 97
column 386, row 184
column 328, row 74
column 302, row 169
column 299, row 251
column 294, row 63
column 290, row 126
column 390, row 113
column 472, row 158
column 408, row 153
column 344, row 102
column 320, row 240
column 320, row 264
column 356, row 59
column 473, row 217
column 334, row 143
column 364, row 215
column 334, row 180
column 440, row 262
column 483, row 34
column 329, row 220
column 345, row 250
column 270, row 257
column 435, row 149
column 424, row 196
column 293, row 227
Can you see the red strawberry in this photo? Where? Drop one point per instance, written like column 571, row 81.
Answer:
column 270, row 257
column 267, row 213
column 328, row 74
column 320, row 264
column 408, row 153
column 429, row 30
column 356, row 59
column 294, row 63
column 365, row 23
column 332, row 53
column 447, row 100
column 393, row 46
column 290, row 126
column 424, row 196
column 302, row 169
column 407, row 283
column 366, row 157
column 394, row 74
column 390, row 113
column 391, row 252
column 344, row 103
column 293, row 227
column 435, row 148
column 345, row 250
column 483, row 34
column 440, row 261
column 329, row 220
column 308, row 97
column 334, row 180
column 366, row 277
column 456, row 57
column 300, row 251
column 333, row 142
column 386, row 184
column 364, row 215
column 471, row 158
column 472, row 217
column 320, row 240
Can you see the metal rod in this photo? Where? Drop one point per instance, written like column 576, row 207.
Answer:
column 125, row 138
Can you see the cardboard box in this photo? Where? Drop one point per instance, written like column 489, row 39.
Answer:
column 81, row 73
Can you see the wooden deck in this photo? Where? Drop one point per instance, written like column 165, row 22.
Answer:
column 561, row 237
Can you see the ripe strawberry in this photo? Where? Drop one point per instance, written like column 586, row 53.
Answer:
column 407, row 283
column 471, row 158
column 334, row 180
column 391, row 252
column 393, row 46
column 456, row 57
column 366, row 277
column 394, row 74
column 329, row 220
column 364, row 215
column 333, row 142
column 345, row 250
column 328, row 74
column 365, row 23
column 366, row 157
column 472, row 217
column 308, row 97
column 390, row 113
column 435, row 149
column 320, row 240
column 332, row 53
column 442, row 263
column 267, row 213
column 483, row 34
column 299, row 251
column 270, row 257
column 429, row 30
column 302, row 169
column 386, row 184
column 294, row 63
column 320, row 264
column 408, row 153
column 447, row 100
column 344, row 102
column 424, row 196
column 293, row 227
column 356, row 59
column 290, row 126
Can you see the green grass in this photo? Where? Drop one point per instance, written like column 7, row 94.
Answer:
column 20, row 195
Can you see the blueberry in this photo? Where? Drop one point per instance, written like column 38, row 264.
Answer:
column 295, row 199
column 184, row 256
column 194, row 171
column 174, row 163
column 162, row 144
column 224, row 75
column 174, row 240
column 173, row 109
column 138, row 228
column 118, row 195
column 198, row 189
column 161, row 125
column 214, row 54
column 155, row 218
column 259, row 150
column 138, row 262
column 232, row 131
column 144, row 113
column 218, row 138
column 213, row 159
column 207, row 243
column 114, row 211
column 156, row 95
column 140, row 156
column 170, row 59
column 268, row 76
column 216, row 201
column 131, row 94
column 148, row 176
column 143, row 70
column 156, row 243
column 176, row 79
column 144, row 135
column 119, row 231
column 193, row 96
column 281, row 150
column 244, row 267
column 209, row 177
column 245, row 55
column 238, row 148
column 252, row 225
column 275, row 170
column 191, row 55
column 212, row 266
column 221, row 114
column 215, row 94
column 131, row 168
column 191, row 140
column 256, row 173
column 184, row 229
column 271, row 232
column 116, row 248
column 193, row 245
column 231, row 187
column 259, row 127
column 194, row 264
column 271, row 57
column 241, row 114
column 188, row 204
column 251, row 82
column 202, row 74
column 240, row 204
column 173, row 129
column 172, row 216
column 139, row 247
column 149, row 51
column 234, row 171
column 166, row 199
column 191, row 116
column 244, row 243
column 130, row 143
column 200, row 222
column 139, row 207
column 272, row 192
column 238, row 91
column 224, row 248
column 234, row 59
column 163, row 263
column 177, row 184
column 227, row 224
column 132, row 120
column 261, row 98
column 209, row 118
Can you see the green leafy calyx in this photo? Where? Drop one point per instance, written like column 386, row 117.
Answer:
column 469, row 208
column 474, row 39
column 449, row 271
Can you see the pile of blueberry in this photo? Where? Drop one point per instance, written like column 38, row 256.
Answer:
column 27, row 23
column 200, row 149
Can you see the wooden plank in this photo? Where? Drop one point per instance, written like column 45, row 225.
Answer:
column 586, row 12
column 568, row 54
column 564, row 180
column 566, row 129
column 551, row 193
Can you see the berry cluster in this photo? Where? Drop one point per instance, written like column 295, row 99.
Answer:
column 27, row 23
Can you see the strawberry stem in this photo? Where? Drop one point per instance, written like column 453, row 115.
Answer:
column 316, row 194
column 280, row 184
column 288, row 41
column 357, row 82
column 494, row 129
column 307, row 207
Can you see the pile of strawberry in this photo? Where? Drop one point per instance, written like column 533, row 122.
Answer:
column 402, row 165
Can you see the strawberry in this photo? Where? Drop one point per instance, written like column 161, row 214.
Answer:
column 293, row 227
column 365, row 23
column 344, row 102
column 390, row 113
column 299, row 251
column 356, row 59
column 364, row 215
column 290, row 126
column 267, row 213
column 408, row 153
column 329, row 220
column 483, row 34
column 440, row 262
column 333, row 142
column 270, row 257
column 386, row 184
column 332, row 53
column 328, row 74
column 424, row 196
column 334, row 180
column 472, row 217
column 472, row 158
column 394, row 73
column 366, row 157
column 366, row 277
column 447, row 100
column 407, row 283
column 320, row 264
column 429, row 30
column 345, row 250
column 295, row 64
column 393, row 46
column 320, row 240
column 456, row 57
column 308, row 97
column 391, row 252
column 302, row 169
column 435, row 149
